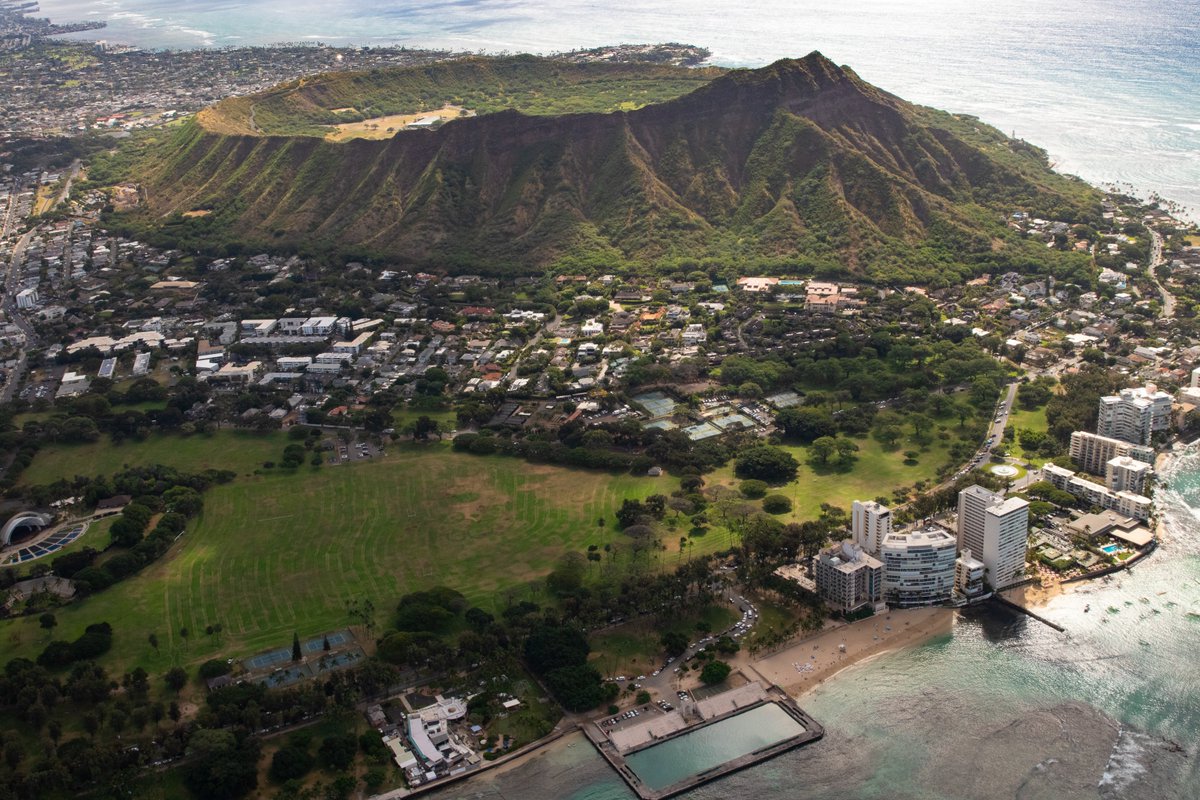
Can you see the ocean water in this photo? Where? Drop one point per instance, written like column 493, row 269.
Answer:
column 1002, row 707
column 1109, row 87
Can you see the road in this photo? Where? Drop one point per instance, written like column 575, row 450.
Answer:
column 12, row 284
column 1156, row 260
column 664, row 682
column 549, row 328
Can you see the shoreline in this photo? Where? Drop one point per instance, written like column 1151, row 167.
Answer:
column 800, row 667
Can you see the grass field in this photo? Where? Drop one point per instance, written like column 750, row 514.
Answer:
column 635, row 648
column 875, row 474
column 274, row 554
column 236, row 450
column 1034, row 420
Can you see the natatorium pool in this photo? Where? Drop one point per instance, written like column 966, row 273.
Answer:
column 674, row 760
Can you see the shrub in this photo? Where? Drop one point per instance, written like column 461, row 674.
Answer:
column 753, row 489
column 776, row 504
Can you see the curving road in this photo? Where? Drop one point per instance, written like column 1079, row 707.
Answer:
column 1157, row 260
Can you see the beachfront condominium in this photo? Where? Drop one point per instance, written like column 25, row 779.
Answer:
column 1134, row 415
column 1118, row 495
column 996, row 531
column 969, row 574
column 918, row 567
column 1092, row 452
column 1125, row 474
column 869, row 523
column 848, row 578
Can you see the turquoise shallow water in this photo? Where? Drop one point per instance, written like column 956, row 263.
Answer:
column 693, row 753
column 1108, row 87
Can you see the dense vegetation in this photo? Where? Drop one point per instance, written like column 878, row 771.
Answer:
column 798, row 167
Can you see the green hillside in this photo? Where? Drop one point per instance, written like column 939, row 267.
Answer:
column 484, row 85
column 799, row 164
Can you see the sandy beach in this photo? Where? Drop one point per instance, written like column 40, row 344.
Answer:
column 810, row 661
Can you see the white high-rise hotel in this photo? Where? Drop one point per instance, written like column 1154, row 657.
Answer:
column 870, row 523
column 996, row 531
column 1134, row 415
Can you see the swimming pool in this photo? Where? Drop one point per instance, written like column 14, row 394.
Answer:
column 1111, row 548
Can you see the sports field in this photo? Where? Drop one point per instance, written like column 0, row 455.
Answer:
column 237, row 450
column 281, row 553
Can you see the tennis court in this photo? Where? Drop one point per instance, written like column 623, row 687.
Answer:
column 283, row 655
column 657, row 404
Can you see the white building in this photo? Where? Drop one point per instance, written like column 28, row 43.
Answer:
column 1125, row 474
column 996, row 531
column 27, row 298
column 848, row 578
column 591, row 328
column 694, row 334
column 1092, row 452
column 869, row 523
column 1123, row 502
column 1134, row 415
column 318, row 326
column 969, row 574
column 918, row 568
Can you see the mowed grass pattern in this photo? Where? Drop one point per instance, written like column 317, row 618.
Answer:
column 275, row 554
column 227, row 449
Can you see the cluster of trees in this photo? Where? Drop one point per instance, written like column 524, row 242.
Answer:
column 1076, row 407
column 558, row 653
column 173, row 495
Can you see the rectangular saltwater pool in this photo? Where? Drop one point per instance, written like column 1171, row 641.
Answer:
column 674, row 760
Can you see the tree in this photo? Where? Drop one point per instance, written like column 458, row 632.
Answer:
column 777, row 504
column 715, row 672
column 153, row 640
column 674, row 643
column 766, row 463
column 753, row 489
column 296, row 653
column 291, row 762
column 176, row 678
column 846, row 448
column 642, row 698
column 806, row 424
column 47, row 621
column 337, row 752
column 221, row 766
column 823, row 448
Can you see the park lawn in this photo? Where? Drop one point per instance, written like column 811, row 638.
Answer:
column 278, row 553
column 1034, row 420
column 241, row 451
column 634, row 648
column 447, row 419
column 772, row 618
column 875, row 473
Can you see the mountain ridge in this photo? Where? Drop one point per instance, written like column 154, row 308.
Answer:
column 798, row 160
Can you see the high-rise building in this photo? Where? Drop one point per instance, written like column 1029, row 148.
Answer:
column 918, row 568
column 1124, row 474
column 1092, row 452
column 996, row 531
column 969, row 573
column 869, row 523
column 1122, row 501
column 1134, row 415
column 848, row 578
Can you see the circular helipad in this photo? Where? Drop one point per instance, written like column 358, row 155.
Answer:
column 1005, row 471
